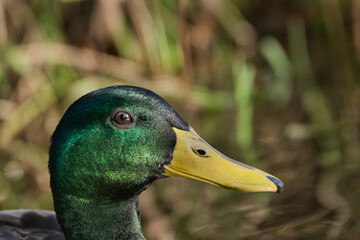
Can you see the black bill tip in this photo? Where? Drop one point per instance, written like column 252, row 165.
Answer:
column 280, row 185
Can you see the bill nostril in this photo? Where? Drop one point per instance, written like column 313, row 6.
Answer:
column 201, row 152
column 280, row 185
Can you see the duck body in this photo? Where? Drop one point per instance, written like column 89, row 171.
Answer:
column 29, row 224
column 111, row 144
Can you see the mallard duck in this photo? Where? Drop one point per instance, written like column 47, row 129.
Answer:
column 109, row 146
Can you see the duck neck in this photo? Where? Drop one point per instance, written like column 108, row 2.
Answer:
column 81, row 219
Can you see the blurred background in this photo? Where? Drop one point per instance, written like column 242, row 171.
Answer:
column 272, row 83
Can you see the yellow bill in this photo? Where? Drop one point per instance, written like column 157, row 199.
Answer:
column 194, row 158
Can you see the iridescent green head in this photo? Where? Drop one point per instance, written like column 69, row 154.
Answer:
column 112, row 143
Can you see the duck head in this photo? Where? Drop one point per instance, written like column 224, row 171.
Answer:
column 113, row 142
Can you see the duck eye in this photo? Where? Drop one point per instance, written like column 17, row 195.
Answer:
column 122, row 118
